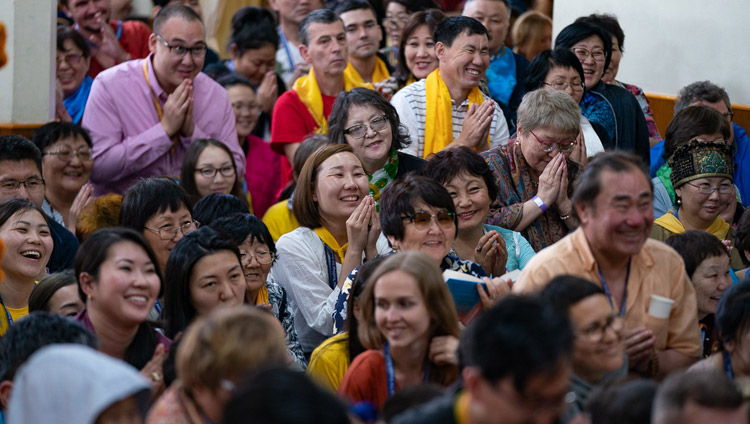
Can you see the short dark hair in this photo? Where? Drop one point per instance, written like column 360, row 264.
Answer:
column 37, row 330
column 742, row 235
column 253, row 28
column 589, row 183
column 349, row 5
column 520, row 337
column 691, row 122
column 547, row 60
column 47, row 287
column 174, row 11
column 429, row 17
column 413, row 6
column 52, row 132
column 733, row 312
column 450, row 28
column 217, row 205
column 231, row 79
column 309, row 145
column 190, row 161
column 564, row 291
column 361, row 96
column 577, row 31
column 447, row 164
column 397, row 200
column 179, row 311
column 10, row 207
column 701, row 91
column 238, row 227
column 320, row 16
column 708, row 389
column 609, row 23
column 626, row 403
column 695, row 246
column 67, row 33
column 151, row 196
column 16, row 148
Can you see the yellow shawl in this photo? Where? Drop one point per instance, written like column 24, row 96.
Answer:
column 719, row 227
column 380, row 73
column 309, row 94
column 262, row 296
column 330, row 241
column 438, row 131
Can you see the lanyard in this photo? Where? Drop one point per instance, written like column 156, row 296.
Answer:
column 333, row 278
column 285, row 43
column 157, row 106
column 158, row 307
column 607, row 293
column 7, row 313
column 391, row 374
column 728, row 365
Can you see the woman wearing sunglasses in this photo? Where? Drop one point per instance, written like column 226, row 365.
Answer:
column 534, row 172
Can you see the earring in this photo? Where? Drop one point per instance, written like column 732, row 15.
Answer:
column 679, row 201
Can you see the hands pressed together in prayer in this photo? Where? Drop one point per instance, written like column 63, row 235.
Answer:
column 476, row 126
column 268, row 92
column 553, row 185
column 178, row 111
column 363, row 228
column 491, row 253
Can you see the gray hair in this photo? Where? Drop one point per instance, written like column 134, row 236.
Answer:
column 320, row 16
column 708, row 389
column 701, row 91
column 549, row 109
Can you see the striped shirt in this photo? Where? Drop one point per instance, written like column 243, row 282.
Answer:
column 411, row 104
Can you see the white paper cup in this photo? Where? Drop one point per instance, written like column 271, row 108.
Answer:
column 660, row 306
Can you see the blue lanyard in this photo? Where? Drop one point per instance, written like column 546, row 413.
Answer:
column 7, row 314
column 607, row 293
column 728, row 365
column 285, row 43
column 333, row 277
column 158, row 307
column 390, row 373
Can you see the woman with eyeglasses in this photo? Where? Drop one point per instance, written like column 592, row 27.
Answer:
column 702, row 174
column 561, row 70
column 613, row 107
column 534, row 173
column 208, row 168
column 363, row 119
column 257, row 255
column 397, row 14
column 598, row 352
column 66, row 167
column 73, row 81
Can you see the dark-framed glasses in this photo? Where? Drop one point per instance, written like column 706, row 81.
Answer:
column 67, row 155
column 31, row 184
column 210, row 171
column 377, row 124
column 595, row 332
column 169, row 231
column 550, row 145
column 196, row 52
column 706, row 188
column 583, row 54
column 422, row 220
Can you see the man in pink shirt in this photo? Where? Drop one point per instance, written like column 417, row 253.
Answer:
column 143, row 114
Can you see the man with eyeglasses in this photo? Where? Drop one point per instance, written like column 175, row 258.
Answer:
column 613, row 202
column 447, row 108
column 142, row 115
column 21, row 178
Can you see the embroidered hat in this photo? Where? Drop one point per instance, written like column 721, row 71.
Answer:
column 698, row 159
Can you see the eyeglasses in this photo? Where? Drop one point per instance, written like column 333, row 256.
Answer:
column 210, row 172
column 66, row 155
column 264, row 257
column 196, row 52
column 583, row 54
column 31, row 184
column 595, row 333
column 396, row 22
column 550, row 145
column 70, row 58
column 169, row 231
column 360, row 130
column 563, row 85
column 709, row 189
column 728, row 116
column 422, row 220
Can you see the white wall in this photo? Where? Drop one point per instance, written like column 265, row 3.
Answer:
column 671, row 43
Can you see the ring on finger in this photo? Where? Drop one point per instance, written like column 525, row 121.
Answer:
column 155, row 377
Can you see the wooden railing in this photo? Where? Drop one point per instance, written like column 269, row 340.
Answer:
column 663, row 107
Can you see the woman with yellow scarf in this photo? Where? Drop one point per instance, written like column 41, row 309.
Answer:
column 702, row 174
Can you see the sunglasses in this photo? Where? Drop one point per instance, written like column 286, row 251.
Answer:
column 422, row 220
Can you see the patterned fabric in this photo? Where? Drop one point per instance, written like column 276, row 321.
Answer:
column 511, row 174
column 653, row 131
column 597, row 109
column 276, row 297
column 696, row 160
column 382, row 177
column 501, row 75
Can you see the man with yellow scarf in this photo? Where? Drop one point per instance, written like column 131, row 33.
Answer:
column 304, row 109
column 447, row 108
column 363, row 35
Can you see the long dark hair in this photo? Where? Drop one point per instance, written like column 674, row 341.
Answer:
column 187, row 174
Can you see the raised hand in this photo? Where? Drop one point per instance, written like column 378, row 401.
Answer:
column 549, row 181
column 476, row 126
column 108, row 50
column 491, row 253
column 497, row 288
column 639, row 345
column 268, row 91
column 358, row 223
column 153, row 371
column 83, row 198
column 188, row 126
column 444, row 350
column 175, row 109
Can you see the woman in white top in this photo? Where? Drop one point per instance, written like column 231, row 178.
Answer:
column 338, row 228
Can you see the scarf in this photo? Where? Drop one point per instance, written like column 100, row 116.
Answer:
column 77, row 101
column 669, row 221
column 438, row 131
column 501, row 75
column 329, row 240
column 380, row 73
column 262, row 296
column 382, row 177
column 309, row 94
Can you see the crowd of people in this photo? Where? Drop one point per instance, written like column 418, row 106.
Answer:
column 397, row 212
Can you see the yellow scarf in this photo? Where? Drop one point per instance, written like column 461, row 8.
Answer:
column 719, row 227
column 262, row 296
column 329, row 240
column 461, row 408
column 410, row 80
column 309, row 94
column 438, row 131
column 380, row 73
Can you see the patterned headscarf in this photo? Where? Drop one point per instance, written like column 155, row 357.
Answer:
column 698, row 159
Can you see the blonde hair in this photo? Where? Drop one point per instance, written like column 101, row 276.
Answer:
column 229, row 343
column 528, row 25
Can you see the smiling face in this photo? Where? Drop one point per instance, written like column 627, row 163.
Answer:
column 71, row 67
column 28, row 245
column 256, row 273
column 710, row 279
column 699, row 210
column 435, row 241
column 493, row 14
column 170, row 70
column 472, row 200
column 65, row 177
column 90, row 15
column 246, row 109
column 372, row 149
column 463, row 64
column 216, row 159
column 340, row 185
column 569, row 75
column 400, row 310
column 619, row 220
column 126, row 287
column 533, row 151
column 363, row 34
column 397, row 16
column 419, row 52
column 598, row 348
column 614, row 62
column 592, row 69
column 216, row 281
column 165, row 219
column 327, row 49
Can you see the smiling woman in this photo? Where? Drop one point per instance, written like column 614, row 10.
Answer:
column 208, row 168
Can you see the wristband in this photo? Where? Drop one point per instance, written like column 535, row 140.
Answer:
column 539, row 202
